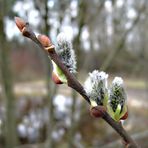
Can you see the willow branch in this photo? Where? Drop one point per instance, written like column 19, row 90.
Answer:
column 74, row 83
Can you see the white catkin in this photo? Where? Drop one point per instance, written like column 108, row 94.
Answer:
column 117, row 93
column 66, row 52
column 95, row 85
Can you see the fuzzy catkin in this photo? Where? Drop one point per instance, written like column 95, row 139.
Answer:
column 66, row 52
column 117, row 94
column 96, row 86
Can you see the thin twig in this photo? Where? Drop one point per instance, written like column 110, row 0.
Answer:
column 73, row 83
column 137, row 136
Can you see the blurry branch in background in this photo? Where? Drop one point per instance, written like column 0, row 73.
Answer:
column 99, row 9
column 45, row 44
column 120, row 44
column 61, row 8
column 81, row 22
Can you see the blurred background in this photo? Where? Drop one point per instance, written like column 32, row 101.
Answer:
column 109, row 35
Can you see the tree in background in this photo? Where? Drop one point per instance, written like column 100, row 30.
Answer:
column 6, row 78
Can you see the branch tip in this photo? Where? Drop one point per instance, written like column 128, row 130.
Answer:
column 20, row 23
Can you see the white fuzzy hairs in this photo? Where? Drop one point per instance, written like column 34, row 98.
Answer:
column 96, row 86
column 66, row 52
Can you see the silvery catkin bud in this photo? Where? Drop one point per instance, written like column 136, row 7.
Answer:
column 117, row 106
column 66, row 52
column 96, row 88
column 67, row 55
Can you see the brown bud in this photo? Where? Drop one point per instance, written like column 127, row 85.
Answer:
column 56, row 79
column 97, row 111
column 20, row 23
column 125, row 116
column 45, row 41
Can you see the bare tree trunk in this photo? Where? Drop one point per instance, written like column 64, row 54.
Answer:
column 10, row 125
